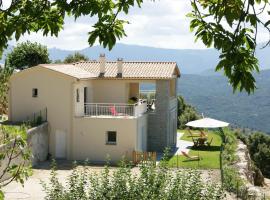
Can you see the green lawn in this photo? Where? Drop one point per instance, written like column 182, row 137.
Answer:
column 209, row 155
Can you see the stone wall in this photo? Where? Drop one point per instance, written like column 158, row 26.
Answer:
column 160, row 131
column 243, row 165
column 37, row 139
column 38, row 142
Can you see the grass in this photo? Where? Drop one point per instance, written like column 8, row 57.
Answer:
column 209, row 155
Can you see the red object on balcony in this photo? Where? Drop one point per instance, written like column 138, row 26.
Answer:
column 113, row 111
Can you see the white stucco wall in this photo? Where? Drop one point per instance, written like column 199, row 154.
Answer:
column 89, row 138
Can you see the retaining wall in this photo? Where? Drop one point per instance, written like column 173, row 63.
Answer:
column 37, row 140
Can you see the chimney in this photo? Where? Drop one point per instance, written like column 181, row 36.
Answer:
column 120, row 66
column 102, row 62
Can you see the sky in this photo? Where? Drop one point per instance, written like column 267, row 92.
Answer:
column 161, row 24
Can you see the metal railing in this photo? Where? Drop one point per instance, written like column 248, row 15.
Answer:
column 115, row 109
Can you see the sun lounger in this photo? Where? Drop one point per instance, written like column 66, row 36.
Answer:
column 190, row 157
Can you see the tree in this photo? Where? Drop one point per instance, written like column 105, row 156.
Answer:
column 27, row 55
column 230, row 26
column 58, row 61
column 15, row 157
column 185, row 112
column 4, row 77
column 76, row 57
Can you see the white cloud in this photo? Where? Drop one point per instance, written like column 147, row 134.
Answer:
column 162, row 23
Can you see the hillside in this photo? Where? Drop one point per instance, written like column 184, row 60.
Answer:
column 213, row 97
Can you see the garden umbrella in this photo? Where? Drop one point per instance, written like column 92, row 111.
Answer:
column 207, row 123
column 211, row 123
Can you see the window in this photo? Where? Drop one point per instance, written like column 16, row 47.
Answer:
column 77, row 95
column 111, row 137
column 34, row 92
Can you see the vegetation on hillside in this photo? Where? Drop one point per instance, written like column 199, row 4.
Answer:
column 258, row 145
column 185, row 112
column 76, row 57
column 212, row 96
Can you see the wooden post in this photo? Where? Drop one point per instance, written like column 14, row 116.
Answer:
column 177, row 160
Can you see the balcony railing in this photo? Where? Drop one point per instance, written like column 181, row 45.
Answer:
column 115, row 109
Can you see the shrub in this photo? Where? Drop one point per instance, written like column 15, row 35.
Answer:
column 149, row 183
column 232, row 181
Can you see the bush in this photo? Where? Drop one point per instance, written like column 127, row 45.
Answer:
column 149, row 183
column 232, row 181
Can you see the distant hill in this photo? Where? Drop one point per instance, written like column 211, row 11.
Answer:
column 190, row 61
column 213, row 97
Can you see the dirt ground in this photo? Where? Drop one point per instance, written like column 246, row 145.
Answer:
column 33, row 190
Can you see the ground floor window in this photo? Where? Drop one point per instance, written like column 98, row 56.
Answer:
column 111, row 137
column 34, row 92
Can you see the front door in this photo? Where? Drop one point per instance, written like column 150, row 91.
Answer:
column 60, row 144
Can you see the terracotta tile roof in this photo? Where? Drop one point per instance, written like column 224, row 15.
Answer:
column 70, row 70
column 131, row 70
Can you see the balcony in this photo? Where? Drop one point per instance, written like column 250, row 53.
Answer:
column 115, row 109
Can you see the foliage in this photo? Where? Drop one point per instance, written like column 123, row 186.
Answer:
column 259, row 147
column 4, row 77
column 185, row 112
column 48, row 16
column 232, row 180
column 210, row 155
column 76, row 57
column 122, row 183
column 231, row 27
column 14, row 145
column 58, row 61
column 26, row 55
